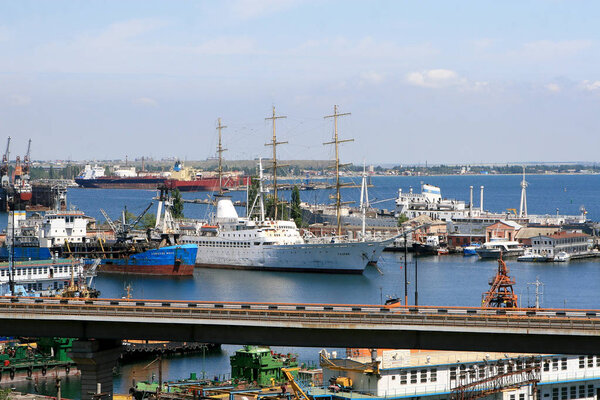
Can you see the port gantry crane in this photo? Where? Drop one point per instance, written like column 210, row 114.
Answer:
column 5, row 180
column 27, row 162
column 501, row 289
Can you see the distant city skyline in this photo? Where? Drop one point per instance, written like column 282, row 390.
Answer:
column 453, row 82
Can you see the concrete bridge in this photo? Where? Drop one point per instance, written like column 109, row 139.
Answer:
column 107, row 321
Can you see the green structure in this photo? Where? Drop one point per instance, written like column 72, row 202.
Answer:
column 50, row 353
column 261, row 365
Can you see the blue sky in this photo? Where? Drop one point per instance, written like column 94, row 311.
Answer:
column 436, row 81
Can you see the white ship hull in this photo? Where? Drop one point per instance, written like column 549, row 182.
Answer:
column 345, row 257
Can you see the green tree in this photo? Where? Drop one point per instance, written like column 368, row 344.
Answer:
column 402, row 219
column 51, row 172
column 177, row 209
column 106, row 171
column 296, row 211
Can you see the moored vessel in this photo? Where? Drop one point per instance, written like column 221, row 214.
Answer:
column 175, row 260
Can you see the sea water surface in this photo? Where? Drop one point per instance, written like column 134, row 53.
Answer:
column 442, row 280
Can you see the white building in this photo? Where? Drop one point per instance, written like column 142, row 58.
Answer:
column 572, row 243
column 429, row 202
column 436, row 375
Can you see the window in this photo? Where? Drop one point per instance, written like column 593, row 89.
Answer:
column 597, row 361
column 573, row 392
column 423, row 376
column 452, row 373
column 590, row 391
column 512, row 397
column 413, row 376
column 581, row 391
column 590, row 361
column 393, row 377
column 563, row 393
column 403, row 377
column 522, row 396
column 555, row 364
column 563, row 363
column 581, row 361
column 433, row 375
column 555, row 394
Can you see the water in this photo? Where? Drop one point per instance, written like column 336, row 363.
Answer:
column 443, row 280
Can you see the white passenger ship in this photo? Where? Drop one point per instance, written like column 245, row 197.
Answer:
column 429, row 202
column 39, row 277
column 234, row 242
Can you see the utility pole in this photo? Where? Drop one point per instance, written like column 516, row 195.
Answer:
column 336, row 142
column 220, row 151
column 274, row 143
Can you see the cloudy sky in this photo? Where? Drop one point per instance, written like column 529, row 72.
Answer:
column 436, row 81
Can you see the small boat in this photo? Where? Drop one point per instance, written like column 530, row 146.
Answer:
column 471, row 249
column 529, row 256
column 442, row 251
column 430, row 247
column 562, row 256
column 499, row 246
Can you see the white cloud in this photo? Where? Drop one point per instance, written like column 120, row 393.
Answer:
column 547, row 49
column 553, row 87
column 435, row 78
column 249, row 9
column 19, row 100
column 146, row 101
column 590, row 86
column 371, row 78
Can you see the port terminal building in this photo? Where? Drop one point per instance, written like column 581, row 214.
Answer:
column 444, row 375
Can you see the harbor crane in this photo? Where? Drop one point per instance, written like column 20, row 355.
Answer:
column 5, row 180
column 122, row 231
column 27, row 162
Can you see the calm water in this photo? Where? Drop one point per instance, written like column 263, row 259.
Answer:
column 446, row 280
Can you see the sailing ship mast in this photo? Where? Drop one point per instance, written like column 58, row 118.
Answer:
column 364, row 200
column 220, row 151
column 336, row 141
column 274, row 143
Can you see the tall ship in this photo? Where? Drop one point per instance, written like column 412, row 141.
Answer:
column 231, row 241
column 182, row 178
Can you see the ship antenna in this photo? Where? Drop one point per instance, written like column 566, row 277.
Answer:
column 220, row 150
column 336, row 141
column 274, row 143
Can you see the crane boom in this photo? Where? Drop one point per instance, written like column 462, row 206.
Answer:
column 109, row 221
column 299, row 394
column 6, row 156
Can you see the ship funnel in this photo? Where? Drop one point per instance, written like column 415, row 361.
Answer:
column 481, row 200
column 471, row 201
column 225, row 210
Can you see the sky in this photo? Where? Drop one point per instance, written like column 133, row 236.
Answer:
column 460, row 82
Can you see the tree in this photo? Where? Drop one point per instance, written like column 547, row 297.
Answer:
column 296, row 211
column 177, row 210
column 106, row 171
column 402, row 218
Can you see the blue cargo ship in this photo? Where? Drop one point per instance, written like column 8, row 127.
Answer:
column 170, row 260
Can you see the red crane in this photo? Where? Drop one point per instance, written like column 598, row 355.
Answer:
column 501, row 289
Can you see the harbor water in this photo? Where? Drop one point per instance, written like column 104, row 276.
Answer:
column 451, row 280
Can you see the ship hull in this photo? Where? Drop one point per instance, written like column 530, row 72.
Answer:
column 150, row 183
column 343, row 258
column 166, row 261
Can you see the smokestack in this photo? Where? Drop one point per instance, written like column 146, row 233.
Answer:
column 471, row 202
column 481, row 200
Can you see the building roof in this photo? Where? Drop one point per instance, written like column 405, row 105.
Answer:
column 565, row 234
column 529, row 232
column 511, row 224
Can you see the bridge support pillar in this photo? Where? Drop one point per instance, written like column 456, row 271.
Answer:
column 95, row 360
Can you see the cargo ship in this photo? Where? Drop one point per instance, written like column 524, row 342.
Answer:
column 176, row 260
column 180, row 177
